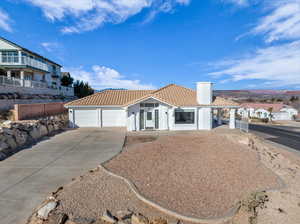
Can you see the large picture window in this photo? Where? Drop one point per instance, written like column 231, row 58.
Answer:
column 184, row 116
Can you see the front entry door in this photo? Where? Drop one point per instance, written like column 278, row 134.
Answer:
column 150, row 118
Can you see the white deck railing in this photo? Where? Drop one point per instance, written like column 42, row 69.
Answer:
column 25, row 60
column 14, row 82
column 34, row 63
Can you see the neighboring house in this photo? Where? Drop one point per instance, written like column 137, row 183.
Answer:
column 27, row 69
column 172, row 107
column 277, row 111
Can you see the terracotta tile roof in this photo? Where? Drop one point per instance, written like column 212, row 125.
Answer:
column 276, row 107
column 171, row 94
column 110, row 98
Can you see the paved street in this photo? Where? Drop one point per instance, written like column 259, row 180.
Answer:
column 27, row 177
column 288, row 136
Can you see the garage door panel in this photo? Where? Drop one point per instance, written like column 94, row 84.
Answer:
column 113, row 118
column 86, row 118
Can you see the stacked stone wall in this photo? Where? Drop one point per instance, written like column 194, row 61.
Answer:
column 16, row 135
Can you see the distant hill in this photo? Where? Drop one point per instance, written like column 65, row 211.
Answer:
column 261, row 92
column 289, row 97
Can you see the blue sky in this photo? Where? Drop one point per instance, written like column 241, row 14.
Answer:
column 142, row 44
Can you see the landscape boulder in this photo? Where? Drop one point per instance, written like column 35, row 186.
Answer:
column 10, row 140
column 35, row 133
column 20, row 136
column 43, row 130
column 139, row 219
column 44, row 211
column 108, row 217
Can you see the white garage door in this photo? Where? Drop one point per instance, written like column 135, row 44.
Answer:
column 113, row 118
column 86, row 118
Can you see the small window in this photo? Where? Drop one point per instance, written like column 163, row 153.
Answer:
column 184, row 116
column 149, row 116
column 142, row 105
column 149, row 104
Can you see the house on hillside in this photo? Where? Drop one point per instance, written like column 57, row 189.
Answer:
column 172, row 107
column 28, row 72
column 274, row 111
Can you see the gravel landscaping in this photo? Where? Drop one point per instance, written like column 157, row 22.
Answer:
column 91, row 195
column 201, row 174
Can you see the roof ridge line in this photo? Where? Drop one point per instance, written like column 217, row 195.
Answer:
column 164, row 87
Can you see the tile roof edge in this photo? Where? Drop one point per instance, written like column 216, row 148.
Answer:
column 75, row 101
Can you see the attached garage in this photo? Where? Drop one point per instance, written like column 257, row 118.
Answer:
column 93, row 117
column 113, row 118
column 86, row 117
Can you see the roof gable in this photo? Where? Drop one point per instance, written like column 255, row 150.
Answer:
column 8, row 45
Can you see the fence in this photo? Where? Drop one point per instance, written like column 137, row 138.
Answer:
column 28, row 111
column 242, row 125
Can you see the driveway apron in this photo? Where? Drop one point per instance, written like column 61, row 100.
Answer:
column 27, row 177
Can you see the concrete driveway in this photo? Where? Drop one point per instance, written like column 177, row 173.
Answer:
column 27, row 177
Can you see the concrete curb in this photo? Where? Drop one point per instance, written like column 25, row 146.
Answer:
column 134, row 189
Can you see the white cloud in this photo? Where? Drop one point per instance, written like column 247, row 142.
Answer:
column 275, row 66
column 102, row 77
column 91, row 14
column 282, row 23
column 238, row 2
column 5, row 21
column 50, row 46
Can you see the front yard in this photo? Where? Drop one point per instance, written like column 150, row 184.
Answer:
column 202, row 175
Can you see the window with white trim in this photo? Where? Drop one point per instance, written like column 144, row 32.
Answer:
column 184, row 116
column 10, row 56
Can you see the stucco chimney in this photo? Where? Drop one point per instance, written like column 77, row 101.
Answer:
column 204, row 92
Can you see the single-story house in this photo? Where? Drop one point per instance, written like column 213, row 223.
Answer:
column 275, row 111
column 172, row 107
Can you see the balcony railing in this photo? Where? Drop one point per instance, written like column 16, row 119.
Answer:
column 25, row 60
column 5, row 81
column 34, row 63
column 14, row 82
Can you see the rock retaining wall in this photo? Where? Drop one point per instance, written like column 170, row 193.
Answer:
column 15, row 135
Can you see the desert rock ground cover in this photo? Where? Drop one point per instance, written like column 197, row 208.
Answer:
column 88, row 197
column 200, row 174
